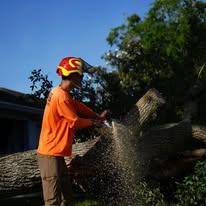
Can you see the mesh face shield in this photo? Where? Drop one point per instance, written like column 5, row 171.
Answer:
column 86, row 67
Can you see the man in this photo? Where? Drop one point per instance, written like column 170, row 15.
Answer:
column 60, row 121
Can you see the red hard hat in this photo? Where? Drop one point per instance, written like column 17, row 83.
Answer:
column 70, row 65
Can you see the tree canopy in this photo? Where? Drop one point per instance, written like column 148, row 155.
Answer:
column 165, row 50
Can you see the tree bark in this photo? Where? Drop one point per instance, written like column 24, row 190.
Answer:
column 166, row 140
column 174, row 149
column 199, row 133
column 162, row 152
column 19, row 172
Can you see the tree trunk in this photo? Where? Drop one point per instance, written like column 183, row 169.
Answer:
column 162, row 152
column 148, row 150
column 173, row 149
column 19, row 172
column 199, row 133
column 166, row 140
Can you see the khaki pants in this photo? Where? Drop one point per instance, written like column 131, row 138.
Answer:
column 56, row 182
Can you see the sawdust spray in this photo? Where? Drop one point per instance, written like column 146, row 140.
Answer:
column 121, row 164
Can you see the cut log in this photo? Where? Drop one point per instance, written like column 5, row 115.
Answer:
column 171, row 169
column 173, row 153
column 199, row 133
column 166, row 140
column 159, row 142
column 144, row 111
column 19, row 172
column 194, row 154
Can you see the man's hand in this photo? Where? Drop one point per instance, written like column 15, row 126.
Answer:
column 103, row 115
column 97, row 122
column 100, row 118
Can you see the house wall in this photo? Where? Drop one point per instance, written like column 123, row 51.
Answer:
column 12, row 134
column 20, row 122
column 18, row 134
column 33, row 134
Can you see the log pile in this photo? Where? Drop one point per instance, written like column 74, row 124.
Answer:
column 154, row 146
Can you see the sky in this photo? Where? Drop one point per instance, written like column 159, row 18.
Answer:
column 38, row 34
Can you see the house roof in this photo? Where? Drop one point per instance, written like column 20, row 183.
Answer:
column 16, row 101
column 11, row 92
column 14, row 96
column 20, row 108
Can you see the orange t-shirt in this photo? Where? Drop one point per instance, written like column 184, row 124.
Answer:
column 60, row 121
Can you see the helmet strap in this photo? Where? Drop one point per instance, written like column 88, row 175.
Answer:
column 75, row 84
column 69, row 78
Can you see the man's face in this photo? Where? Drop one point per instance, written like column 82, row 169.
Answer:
column 76, row 80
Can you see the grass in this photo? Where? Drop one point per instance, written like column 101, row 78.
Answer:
column 39, row 202
column 88, row 203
